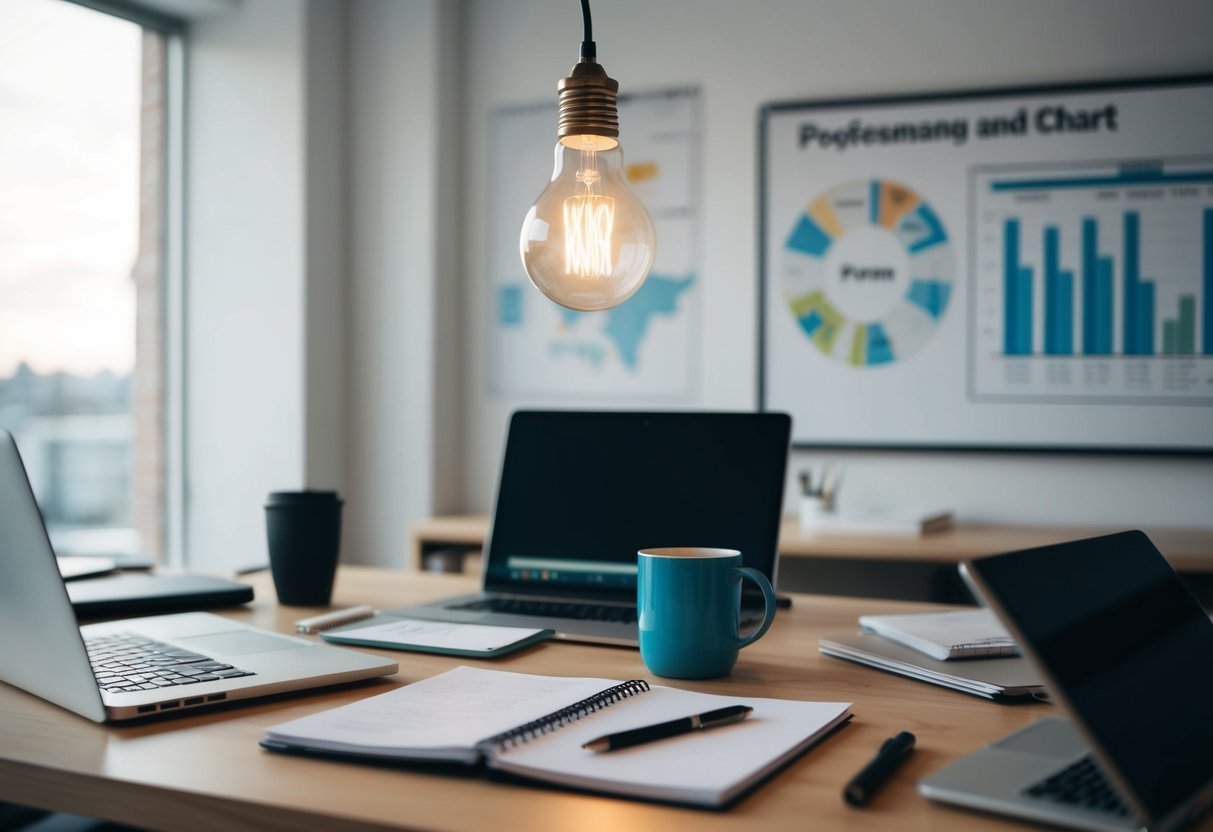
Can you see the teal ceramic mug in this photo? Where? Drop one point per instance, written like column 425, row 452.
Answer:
column 689, row 605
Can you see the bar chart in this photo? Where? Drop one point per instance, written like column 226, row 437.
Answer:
column 1094, row 282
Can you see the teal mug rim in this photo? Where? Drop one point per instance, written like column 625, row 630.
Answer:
column 685, row 552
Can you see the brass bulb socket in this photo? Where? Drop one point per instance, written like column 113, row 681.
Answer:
column 587, row 102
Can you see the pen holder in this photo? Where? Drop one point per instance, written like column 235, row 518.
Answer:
column 811, row 509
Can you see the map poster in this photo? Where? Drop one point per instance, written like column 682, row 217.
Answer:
column 1026, row 268
column 645, row 347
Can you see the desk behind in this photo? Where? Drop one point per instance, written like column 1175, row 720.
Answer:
column 877, row 566
column 205, row 771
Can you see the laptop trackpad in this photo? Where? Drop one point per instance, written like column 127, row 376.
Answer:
column 239, row 643
column 1051, row 737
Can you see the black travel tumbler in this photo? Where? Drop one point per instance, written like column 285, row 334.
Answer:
column 304, row 533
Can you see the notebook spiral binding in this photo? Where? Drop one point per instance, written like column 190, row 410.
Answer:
column 558, row 719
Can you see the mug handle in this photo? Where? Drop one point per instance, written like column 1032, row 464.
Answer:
column 768, row 599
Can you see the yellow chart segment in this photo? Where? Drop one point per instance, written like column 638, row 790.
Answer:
column 822, row 211
column 859, row 345
column 642, row 171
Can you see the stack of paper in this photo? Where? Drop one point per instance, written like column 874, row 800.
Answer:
column 1007, row 679
column 880, row 521
column 964, row 634
column 967, row 650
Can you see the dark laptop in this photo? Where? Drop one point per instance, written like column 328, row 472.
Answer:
column 125, row 594
column 1127, row 653
column 581, row 492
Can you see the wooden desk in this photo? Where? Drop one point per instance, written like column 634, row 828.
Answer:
column 205, row 771
column 881, row 566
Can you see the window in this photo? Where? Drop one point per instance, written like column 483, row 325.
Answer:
column 82, row 140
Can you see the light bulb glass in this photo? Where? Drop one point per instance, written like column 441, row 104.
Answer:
column 588, row 243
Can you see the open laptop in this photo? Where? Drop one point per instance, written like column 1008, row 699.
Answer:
column 581, row 492
column 1127, row 653
column 137, row 667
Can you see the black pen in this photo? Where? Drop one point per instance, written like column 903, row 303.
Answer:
column 891, row 754
column 636, row 736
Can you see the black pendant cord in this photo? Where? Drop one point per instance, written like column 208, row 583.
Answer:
column 588, row 49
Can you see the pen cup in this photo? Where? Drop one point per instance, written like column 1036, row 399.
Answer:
column 811, row 509
column 689, row 610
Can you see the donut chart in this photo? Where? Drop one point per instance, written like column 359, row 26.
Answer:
column 868, row 272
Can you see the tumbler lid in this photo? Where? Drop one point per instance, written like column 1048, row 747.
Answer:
column 307, row 496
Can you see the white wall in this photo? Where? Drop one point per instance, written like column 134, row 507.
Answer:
column 336, row 301
column 744, row 54
column 402, row 388
column 263, row 309
column 322, row 269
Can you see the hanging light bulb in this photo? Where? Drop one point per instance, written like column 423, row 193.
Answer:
column 588, row 243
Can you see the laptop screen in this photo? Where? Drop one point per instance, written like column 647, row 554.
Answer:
column 1128, row 648
column 580, row 493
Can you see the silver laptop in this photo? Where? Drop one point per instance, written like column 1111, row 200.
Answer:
column 581, row 492
column 1127, row 654
column 136, row 667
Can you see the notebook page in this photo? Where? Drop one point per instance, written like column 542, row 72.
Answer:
column 706, row 767
column 442, row 717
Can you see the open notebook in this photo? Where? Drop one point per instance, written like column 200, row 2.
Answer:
column 534, row 727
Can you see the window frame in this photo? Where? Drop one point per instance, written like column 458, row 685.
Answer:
column 172, row 273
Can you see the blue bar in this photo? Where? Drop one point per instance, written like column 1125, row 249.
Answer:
column 1103, row 307
column 1063, row 318
column 1131, row 292
column 880, row 351
column 509, row 305
column 1023, row 307
column 1207, row 299
column 808, row 237
column 1010, row 280
column 1052, row 291
column 1121, row 180
column 1145, row 317
column 1090, row 275
column 935, row 233
column 930, row 295
column 811, row 322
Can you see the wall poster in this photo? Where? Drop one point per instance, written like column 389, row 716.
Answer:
column 644, row 348
column 1004, row 269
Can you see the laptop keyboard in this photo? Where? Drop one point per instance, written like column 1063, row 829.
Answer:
column 552, row 609
column 126, row 663
column 1081, row 784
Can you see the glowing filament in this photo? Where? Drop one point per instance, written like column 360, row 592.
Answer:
column 588, row 222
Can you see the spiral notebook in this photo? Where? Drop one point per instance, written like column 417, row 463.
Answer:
column 533, row 727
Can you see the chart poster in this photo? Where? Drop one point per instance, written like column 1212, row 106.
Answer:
column 642, row 349
column 1004, row 269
